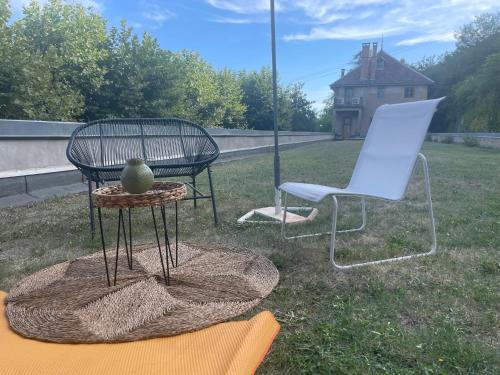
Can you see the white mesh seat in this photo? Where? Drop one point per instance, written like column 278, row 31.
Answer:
column 383, row 169
column 310, row 192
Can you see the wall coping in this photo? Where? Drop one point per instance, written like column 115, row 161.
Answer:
column 469, row 134
column 29, row 129
column 53, row 169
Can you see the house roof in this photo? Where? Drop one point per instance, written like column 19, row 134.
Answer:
column 394, row 73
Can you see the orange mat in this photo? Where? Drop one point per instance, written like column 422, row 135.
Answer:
column 227, row 348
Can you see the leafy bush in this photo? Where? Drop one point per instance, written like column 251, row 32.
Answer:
column 448, row 139
column 469, row 77
column 471, row 141
column 60, row 60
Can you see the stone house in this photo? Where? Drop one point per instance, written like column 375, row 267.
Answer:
column 378, row 79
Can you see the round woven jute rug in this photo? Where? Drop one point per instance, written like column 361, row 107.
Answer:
column 70, row 302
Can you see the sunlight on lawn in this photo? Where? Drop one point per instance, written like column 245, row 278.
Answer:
column 436, row 315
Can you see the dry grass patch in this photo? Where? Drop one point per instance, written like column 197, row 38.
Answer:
column 430, row 315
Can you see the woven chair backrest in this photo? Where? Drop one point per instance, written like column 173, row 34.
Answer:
column 111, row 142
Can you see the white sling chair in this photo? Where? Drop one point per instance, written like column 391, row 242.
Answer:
column 383, row 170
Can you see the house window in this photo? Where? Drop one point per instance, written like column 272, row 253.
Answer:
column 409, row 92
column 380, row 64
column 380, row 92
column 348, row 95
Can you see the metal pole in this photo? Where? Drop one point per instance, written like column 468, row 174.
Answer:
column 277, row 196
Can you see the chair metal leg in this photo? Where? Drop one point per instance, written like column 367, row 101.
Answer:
column 91, row 206
column 167, row 243
column 129, row 256
column 176, row 233
column 395, row 259
column 103, row 245
column 168, row 248
column 193, row 179
column 283, row 232
column 214, row 206
column 120, row 213
column 363, row 223
column 159, row 248
column 130, row 235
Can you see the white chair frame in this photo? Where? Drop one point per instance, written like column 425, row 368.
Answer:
column 363, row 213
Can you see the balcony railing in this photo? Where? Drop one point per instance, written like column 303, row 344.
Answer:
column 355, row 101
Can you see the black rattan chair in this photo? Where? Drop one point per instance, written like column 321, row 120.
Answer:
column 170, row 147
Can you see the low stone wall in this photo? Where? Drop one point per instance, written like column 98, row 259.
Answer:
column 33, row 153
column 490, row 140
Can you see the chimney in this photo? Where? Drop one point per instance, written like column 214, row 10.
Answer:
column 373, row 61
column 364, row 61
column 342, row 73
column 365, row 50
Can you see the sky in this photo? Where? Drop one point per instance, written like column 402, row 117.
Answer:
column 315, row 38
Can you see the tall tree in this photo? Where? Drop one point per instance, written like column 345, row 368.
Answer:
column 231, row 97
column 6, row 65
column 61, row 48
column 59, row 62
column 483, row 27
column 479, row 95
column 200, row 101
column 258, row 98
column 303, row 117
column 140, row 80
column 464, row 76
column 325, row 118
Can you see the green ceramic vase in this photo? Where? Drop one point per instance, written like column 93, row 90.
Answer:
column 136, row 177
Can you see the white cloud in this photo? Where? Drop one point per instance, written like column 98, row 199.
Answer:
column 323, row 11
column 342, row 33
column 413, row 21
column 137, row 25
column 241, row 6
column 447, row 37
column 96, row 5
column 238, row 20
column 154, row 12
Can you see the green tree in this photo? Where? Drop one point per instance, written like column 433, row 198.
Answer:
column 59, row 50
column 482, row 28
column 325, row 118
column 464, row 76
column 6, row 65
column 480, row 95
column 427, row 63
column 200, row 100
column 294, row 110
column 230, row 100
column 140, row 80
column 258, row 98
column 59, row 62
column 302, row 117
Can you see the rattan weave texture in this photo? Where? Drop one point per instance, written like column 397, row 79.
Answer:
column 71, row 303
column 160, row 194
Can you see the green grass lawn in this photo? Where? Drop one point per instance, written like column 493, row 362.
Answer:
column 433, row 315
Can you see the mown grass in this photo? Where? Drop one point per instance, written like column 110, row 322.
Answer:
column 430, row 315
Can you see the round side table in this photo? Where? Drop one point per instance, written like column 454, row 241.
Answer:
column 158, row 196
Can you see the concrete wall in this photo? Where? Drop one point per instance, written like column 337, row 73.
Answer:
column 490, row 140
column 33, row 153
column 362, row 117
